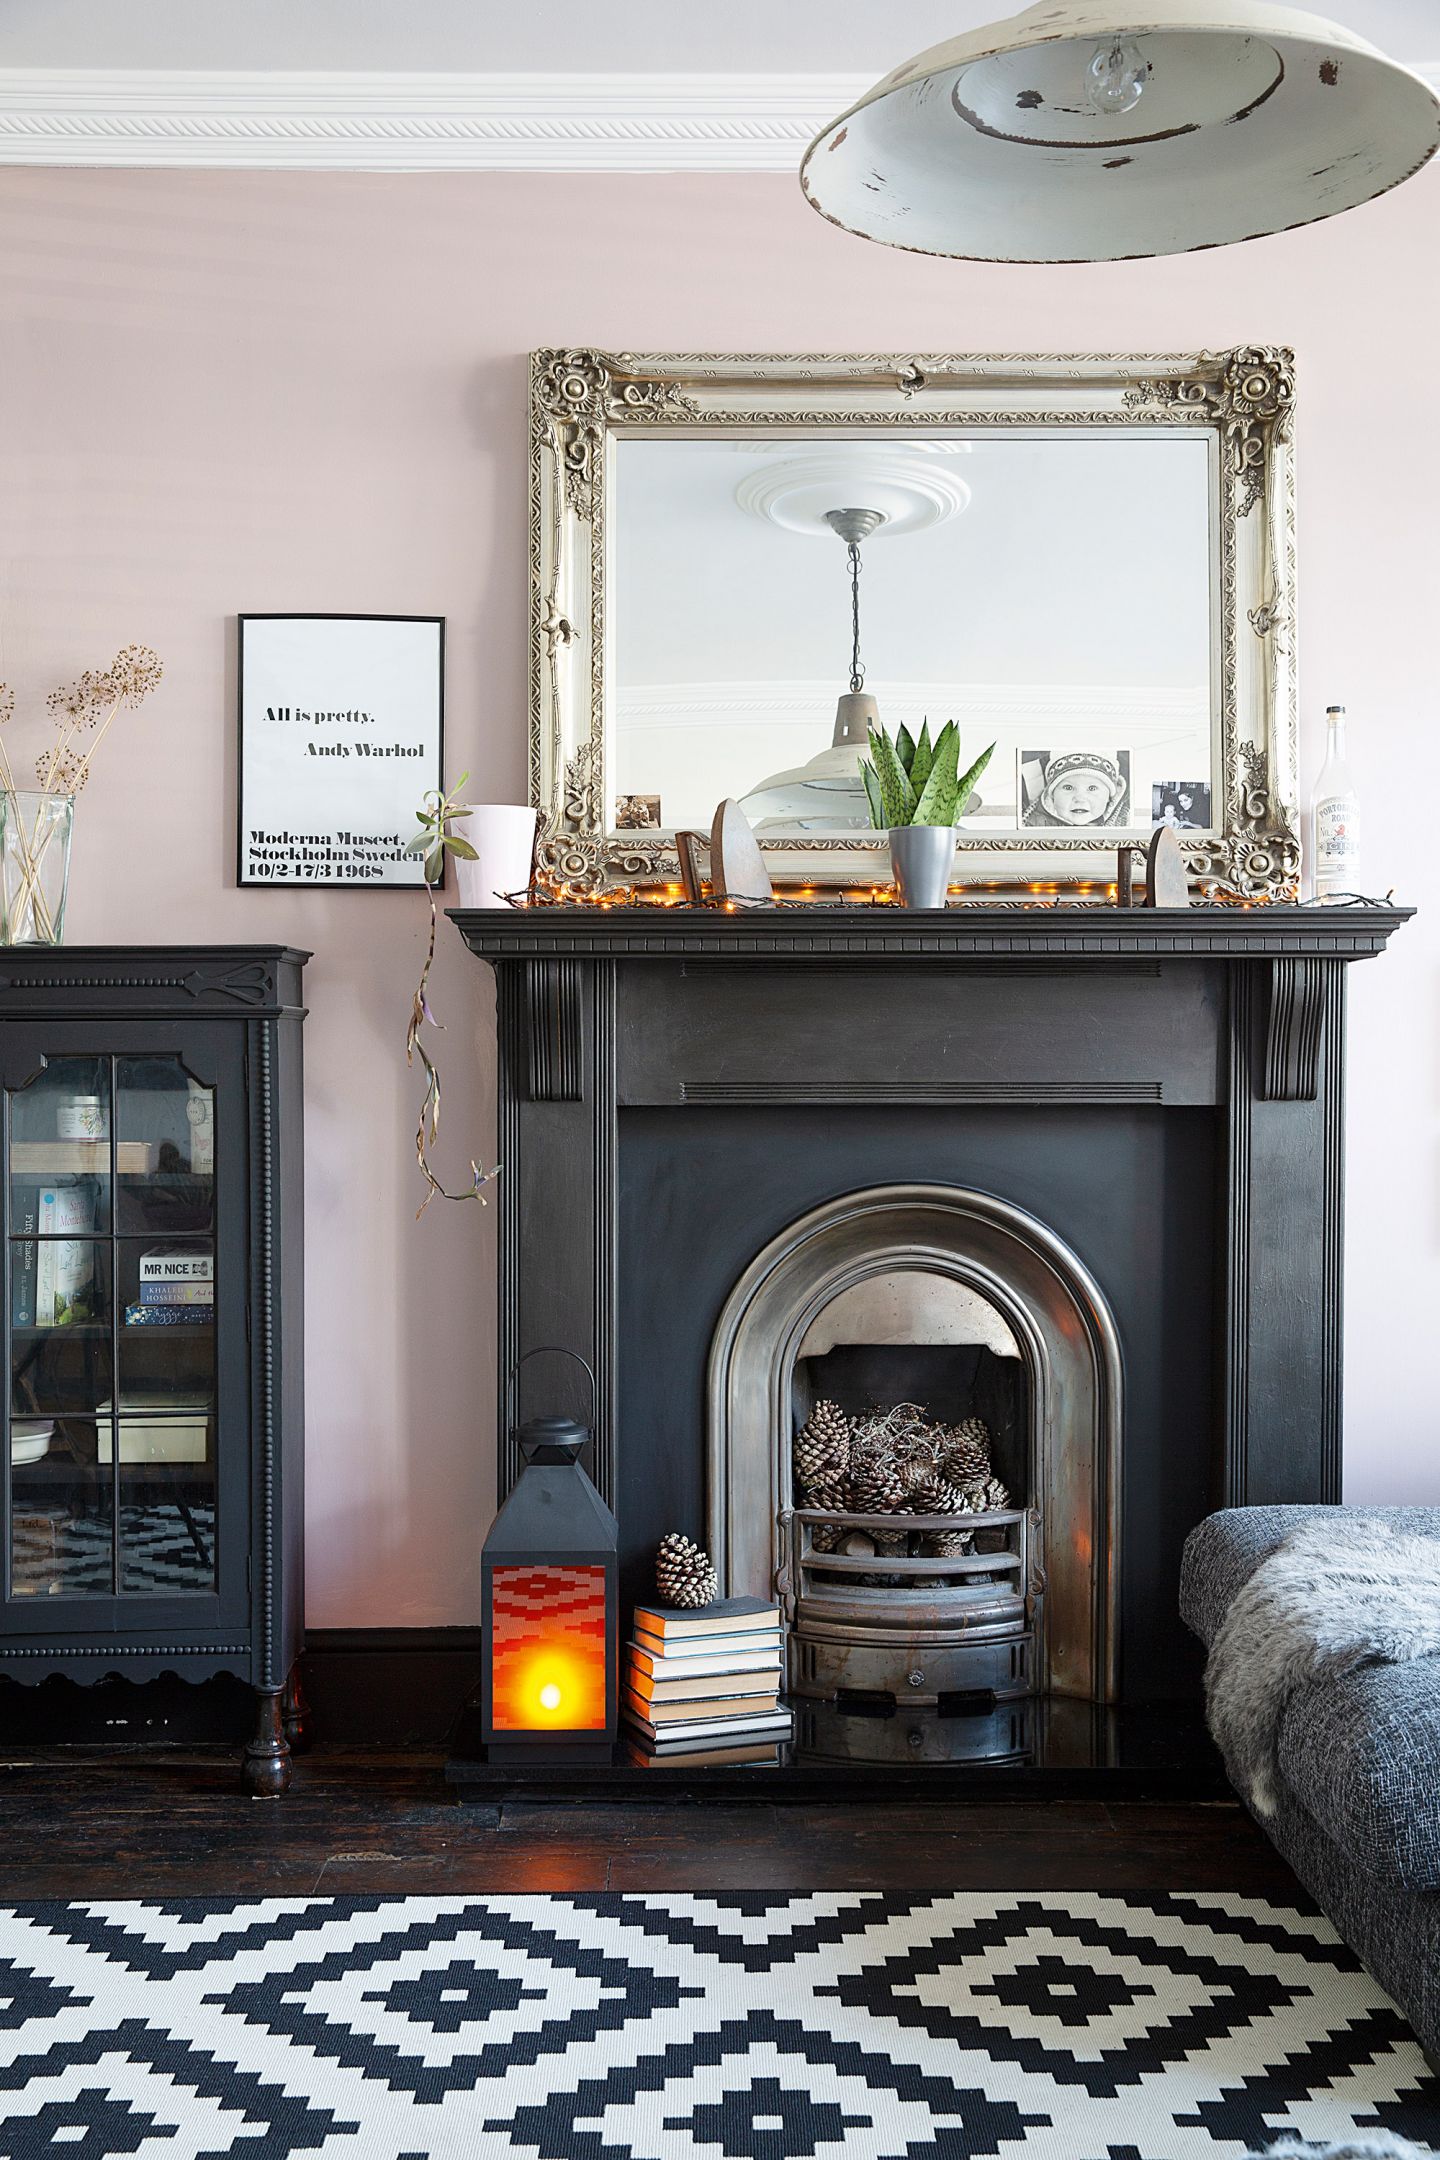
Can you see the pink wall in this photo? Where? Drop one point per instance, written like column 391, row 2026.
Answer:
column 225, row 392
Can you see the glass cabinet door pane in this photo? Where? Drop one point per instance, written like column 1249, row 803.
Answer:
column 60, row 1149
column 60, row 1326
column 165, row 1148
column 167, row 1503
column 61, row 1501
column 166, row 1295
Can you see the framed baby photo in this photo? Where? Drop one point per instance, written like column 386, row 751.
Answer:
column 342, row 735
column 1075, row 791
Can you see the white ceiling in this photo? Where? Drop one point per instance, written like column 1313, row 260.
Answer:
column 644, row 36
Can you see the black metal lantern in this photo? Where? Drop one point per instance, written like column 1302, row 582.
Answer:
column 550, row 1604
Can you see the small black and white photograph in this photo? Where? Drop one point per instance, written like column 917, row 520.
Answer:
column 1079, row 789
column 1184, row 804
column 637, row 813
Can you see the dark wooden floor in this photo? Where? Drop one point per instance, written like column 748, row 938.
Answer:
column 174, row 1823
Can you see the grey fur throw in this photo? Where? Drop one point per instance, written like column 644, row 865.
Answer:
column 1339, row 1593
column 1377, row 2148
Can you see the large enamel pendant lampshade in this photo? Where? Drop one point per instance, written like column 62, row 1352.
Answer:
column 1095, row 130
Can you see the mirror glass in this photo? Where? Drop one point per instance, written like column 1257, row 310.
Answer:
column 1053, row 592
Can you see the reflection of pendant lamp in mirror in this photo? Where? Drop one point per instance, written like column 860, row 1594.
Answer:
column 1083, row 132
column 857, row 712
column 907, row 489
column 828, row 789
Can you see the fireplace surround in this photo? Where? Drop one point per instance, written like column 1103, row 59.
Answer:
column 1118, row 1131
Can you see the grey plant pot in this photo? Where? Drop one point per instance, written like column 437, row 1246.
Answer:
column 922, row 857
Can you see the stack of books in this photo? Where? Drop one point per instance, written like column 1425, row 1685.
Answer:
column 177, row 1288
column 703, row 1687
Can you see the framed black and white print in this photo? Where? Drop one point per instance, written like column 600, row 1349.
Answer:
column 342, row 735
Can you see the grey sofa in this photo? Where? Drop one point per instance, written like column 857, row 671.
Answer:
column 1359, row 1816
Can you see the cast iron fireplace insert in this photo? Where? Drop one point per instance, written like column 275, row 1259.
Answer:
column 1147, row 1102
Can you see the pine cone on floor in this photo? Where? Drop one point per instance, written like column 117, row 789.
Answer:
column 684, row 1573
column 822, row 1448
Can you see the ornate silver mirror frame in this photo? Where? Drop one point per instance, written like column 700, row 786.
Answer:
column 583, row 403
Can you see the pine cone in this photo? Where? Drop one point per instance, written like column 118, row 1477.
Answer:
column 994, row 1495
column 937, row 1496
column 875, row 1487
column 919, row 1466
column 948, row 1544
column 822, row 1447
column 832, row 1492
column 684, row 1574
column 968, row 1455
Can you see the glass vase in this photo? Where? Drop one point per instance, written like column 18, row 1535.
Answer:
column 34, row 866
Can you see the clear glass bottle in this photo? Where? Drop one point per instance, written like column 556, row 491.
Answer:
column 1335, row 815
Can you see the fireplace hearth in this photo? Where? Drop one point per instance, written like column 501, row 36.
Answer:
column 1073, row 1172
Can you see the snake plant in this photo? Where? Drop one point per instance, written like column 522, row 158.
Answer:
column 918, row 783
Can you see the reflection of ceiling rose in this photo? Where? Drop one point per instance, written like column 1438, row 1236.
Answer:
column 913, row 488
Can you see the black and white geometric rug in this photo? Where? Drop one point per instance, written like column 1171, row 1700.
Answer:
column 877, row 2027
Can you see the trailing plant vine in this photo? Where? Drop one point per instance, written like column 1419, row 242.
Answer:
column 435, row 817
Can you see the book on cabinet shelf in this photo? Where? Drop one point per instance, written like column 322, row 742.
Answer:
column 177, row 1293
column 65, row 1255
column 177, row 1264
column 24, row 1258
column 59, row 1158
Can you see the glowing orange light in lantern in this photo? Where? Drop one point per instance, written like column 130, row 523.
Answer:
column 548, row 1662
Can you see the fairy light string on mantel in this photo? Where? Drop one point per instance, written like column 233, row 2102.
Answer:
column 1035, row 897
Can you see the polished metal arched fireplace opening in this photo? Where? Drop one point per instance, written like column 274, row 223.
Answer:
column 913, row 1267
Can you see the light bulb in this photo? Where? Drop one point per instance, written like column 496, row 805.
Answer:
column 549, row 1696
column 1115, row 78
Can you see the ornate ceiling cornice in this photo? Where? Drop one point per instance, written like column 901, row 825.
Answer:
column 383, row 122
column 416, row 123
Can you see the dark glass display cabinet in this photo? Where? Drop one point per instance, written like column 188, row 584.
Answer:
column 152, row 1183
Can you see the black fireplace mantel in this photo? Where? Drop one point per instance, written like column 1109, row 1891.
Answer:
column 724, row 1021
column 1018, row 931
